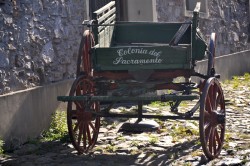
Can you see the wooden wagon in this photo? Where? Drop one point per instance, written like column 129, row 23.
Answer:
column 124, row 61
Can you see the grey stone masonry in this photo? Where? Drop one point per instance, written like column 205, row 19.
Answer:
column 39, row 41
column 229, row 19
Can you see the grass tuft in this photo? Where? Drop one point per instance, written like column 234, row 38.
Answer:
column 153, row 139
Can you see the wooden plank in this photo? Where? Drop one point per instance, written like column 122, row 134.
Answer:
column 197, row 7
column 195, row 40
column 178, row 35
column 106, row 15
column 110, row 20
column 106, row 32
column 101, row 39
column 104, row 8
column 105, row 36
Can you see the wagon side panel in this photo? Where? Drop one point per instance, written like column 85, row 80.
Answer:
column 137, row 58
column 146, row 32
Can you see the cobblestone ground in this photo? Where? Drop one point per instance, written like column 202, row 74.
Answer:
column 177, row 143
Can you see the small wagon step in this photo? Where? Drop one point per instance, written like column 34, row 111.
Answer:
column 162, row 98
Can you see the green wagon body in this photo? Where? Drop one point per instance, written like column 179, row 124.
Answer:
column 144, row 45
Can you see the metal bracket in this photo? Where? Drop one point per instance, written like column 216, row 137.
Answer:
column 88, row 23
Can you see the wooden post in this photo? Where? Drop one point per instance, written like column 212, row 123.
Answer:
column 249, row 11
column 87, row 10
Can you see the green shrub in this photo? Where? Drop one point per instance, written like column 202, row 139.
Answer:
column 1, row 146
column 58, row 128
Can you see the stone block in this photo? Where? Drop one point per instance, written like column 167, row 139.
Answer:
column 65, row 60
column 177, row 12
column 235, row 36
column 48, row 53
column 56, row 76
column 171, row 3
column 4, row 61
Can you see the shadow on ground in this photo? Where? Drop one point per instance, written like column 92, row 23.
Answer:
column 54, row 153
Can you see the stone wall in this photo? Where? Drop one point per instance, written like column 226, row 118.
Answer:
column 228, row 18
column 39, row 41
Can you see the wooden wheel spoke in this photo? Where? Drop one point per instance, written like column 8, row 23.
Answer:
column 79, row 106
column 73, row 114
column 93, row 127
column 84, row 136
column 214, row 145
column 78, row 90
column 211, row 96
column 211, row 140
column 217, row 136
column 218, row 100
column 80, row 134
column 221, row 126
column 209, row 107
column 76, row 127
column 88, row 134
column 208, row 130
column 215, row 93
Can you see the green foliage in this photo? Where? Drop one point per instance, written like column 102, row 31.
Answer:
column 121, row 138
column 134, row 152
column 247, row 76
column 58, row 128
column 159, row 104
column 184, row 103
column 110, row 148
column 98, row 148
column 235, row 82
column 134, row 143
column 153, row 139
column 198, row 152
column 187, row 164
column 1, row 146
column 228, row 137
column 239, row 81
column 181, row 131
column 160, row 122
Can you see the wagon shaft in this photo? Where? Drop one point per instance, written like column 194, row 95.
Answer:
column 162, row 98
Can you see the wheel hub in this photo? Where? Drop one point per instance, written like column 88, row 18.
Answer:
column 84, row 116
column 218, row 118
column 221, row 117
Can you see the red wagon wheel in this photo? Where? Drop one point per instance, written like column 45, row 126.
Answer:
column 84, row 59
column 212, row 118
column 83, row 126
